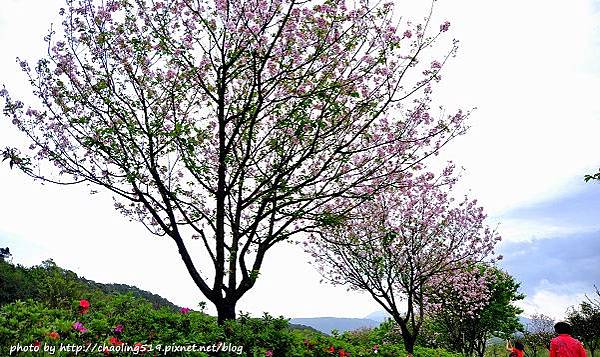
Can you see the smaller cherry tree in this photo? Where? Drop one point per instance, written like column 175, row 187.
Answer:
column 538, row 333
column 467, row 329
column 585, row 320
column 406, row 243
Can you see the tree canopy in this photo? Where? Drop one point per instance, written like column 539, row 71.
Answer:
column 585, row 320
column 538, row 333
column 412, row 248
column 5, row 253
column 469, row 333
column 232, row 126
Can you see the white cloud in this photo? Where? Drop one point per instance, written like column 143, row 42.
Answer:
column 527, row 230
column 528, row 67
column 553, row 300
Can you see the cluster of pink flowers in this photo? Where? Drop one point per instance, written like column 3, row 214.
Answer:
column 445, row 26
column 417, row 223
column 118, row 329
column 78, row 326
column 84, row 307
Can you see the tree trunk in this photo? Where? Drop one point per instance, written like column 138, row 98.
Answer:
column 408, row 338
column 481, row 351
column 480, row 345
column 409, row 346
column 225, row 311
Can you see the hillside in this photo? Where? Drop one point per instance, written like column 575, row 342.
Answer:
column 116, row 288
column 48, row 280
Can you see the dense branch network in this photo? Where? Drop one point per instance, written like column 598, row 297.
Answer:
column 237, row 124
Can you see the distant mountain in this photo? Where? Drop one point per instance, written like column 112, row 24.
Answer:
column 382, row 315
column 524, row 321
column 342, row 324
column 379, row 316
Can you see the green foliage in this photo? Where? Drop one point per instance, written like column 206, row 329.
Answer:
column 585, row 320
column 56, row 286
column 331, row 220
column 595, row 176
column 26, row 322
column 496, row 348
column 15, row 284
column 42, row 304
column 259, row 335
column 501, row 317
column 5, row 253
column 112, row 288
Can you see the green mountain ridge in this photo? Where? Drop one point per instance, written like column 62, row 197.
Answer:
column 18, row 282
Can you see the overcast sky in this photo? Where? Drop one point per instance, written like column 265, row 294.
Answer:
column 531, row 68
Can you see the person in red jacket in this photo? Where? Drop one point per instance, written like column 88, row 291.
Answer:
column 564, row 345
column 517, row 350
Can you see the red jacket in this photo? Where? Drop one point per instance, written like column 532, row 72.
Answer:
column 517, row 352
column 566, row 346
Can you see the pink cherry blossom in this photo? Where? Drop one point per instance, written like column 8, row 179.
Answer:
column 445, row 26
column 413, row 242
column 239, row 125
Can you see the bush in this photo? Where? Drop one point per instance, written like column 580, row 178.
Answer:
column 15, row 283
column 114, row 319
column 48, row 305
column 29, row 322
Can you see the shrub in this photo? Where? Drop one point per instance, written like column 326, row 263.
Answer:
column 50, row 306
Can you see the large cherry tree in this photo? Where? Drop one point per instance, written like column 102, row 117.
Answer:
column 412, row 248
column 232, row 125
